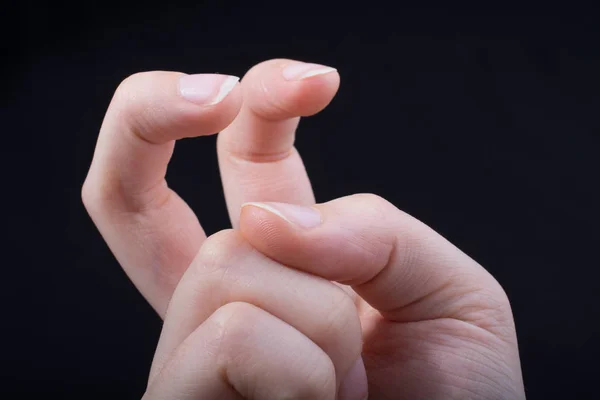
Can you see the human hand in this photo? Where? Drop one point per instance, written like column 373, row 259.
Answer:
column 433, row 322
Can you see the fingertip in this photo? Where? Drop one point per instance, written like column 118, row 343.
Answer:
column 254, row 220
column 297, row 71
column 314, row 93
column 266, row 229
column 280, row 89
column 213, row 102
column 206, row 89
column 160, row 106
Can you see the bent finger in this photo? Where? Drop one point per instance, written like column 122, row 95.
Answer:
column 227, row 269
column 257, row 157
column 151, row 231
column 241, row 351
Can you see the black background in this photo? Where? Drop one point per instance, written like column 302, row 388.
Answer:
column 483, row 125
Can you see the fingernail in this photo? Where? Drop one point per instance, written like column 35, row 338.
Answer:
column 299, row 70
column 354, row 386
column 206, row 89
column 304, row 217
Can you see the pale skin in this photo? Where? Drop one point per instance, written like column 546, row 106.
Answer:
column 341, row 300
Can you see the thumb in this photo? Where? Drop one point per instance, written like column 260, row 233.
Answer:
column 394, row 262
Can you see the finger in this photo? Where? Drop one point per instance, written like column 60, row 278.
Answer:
column 151, row 231
column 397, row 264
column 257, row 157
column 241, row 351
column 228, row 270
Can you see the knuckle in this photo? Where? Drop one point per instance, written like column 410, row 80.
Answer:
column 125, row 93
column 376, row 208
column 219, row 250
column 265, row 101
column 372, row 200
column 376, row 240
column 136, row 104
column 127, row 100
column 487, row 307
column 235, row 318
column 234, row 322
column 95, row 197
column 321, row 381
column 105, row 194
column 403, row 240
column 214, row 273
column 343, row 311
column 342, row 321
column 237, row 334
column 270, row 106
column 132, row 84
column 87, row 195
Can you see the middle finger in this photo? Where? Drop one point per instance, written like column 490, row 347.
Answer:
column 257, row 157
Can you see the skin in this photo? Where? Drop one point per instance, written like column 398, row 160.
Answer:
column 331, row 301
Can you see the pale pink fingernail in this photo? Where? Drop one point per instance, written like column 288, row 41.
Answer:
column 299, row 70
column 206, row 89
column 354, row 386
column 304, row 217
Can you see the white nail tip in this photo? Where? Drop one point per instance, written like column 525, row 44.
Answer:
column 267, row 208
column 226, row 87
column 318, row 71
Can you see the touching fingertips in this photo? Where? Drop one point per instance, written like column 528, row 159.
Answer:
column 300, row 216
column 298, row 70
column 206, row 89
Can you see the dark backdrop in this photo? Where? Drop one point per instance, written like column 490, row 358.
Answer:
column 483, row 126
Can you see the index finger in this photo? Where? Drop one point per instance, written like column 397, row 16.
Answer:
column 151, row 231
